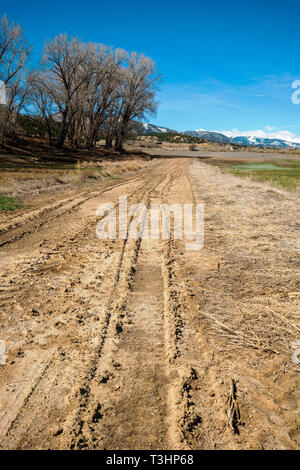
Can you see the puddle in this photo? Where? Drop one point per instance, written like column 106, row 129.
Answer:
column 260, row 166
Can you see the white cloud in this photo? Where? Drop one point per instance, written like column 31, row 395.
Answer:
column 269, row 133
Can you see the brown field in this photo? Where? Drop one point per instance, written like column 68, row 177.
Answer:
column 142, row 344
column 14, row 182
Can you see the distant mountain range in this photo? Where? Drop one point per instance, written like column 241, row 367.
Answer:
column 249, row 141
column 211, row 136
column 148, row 129
column 265, row 142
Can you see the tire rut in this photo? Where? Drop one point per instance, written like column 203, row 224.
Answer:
column 84, row 425
column 60, row 376
column 48, row 213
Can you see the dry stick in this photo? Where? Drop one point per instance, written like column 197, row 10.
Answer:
column 234, row 332
column 285, row 320
column 233, row 413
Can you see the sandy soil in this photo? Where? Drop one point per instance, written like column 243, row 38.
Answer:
column 141, row 344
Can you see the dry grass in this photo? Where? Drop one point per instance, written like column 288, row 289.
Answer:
column 112, row 168
column 251, row 291
column 19, row 183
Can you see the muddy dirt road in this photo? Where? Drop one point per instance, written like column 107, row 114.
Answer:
column 141, row 344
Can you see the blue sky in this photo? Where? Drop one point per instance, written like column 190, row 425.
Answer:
column 226, row 65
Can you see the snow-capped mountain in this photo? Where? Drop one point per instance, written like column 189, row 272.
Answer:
column 242, row 140
column 264, row 142
column 211, row 136
column 247, row 141
column 152, row 129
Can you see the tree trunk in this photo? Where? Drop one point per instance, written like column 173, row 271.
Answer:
column 108, row 141
column 120, row 139
column 63, row 132
column 48, row 127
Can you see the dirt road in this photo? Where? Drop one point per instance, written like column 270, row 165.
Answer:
column 141, row 344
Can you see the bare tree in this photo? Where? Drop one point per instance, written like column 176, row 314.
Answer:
column 137, row 94
column 89, row 88
column 64, row 60
column 18, row 98
column 41, row 97
column 14, row 51
column 96, row 96
column 105, row 84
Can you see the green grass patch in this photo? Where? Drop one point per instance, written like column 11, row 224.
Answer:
column 9, row 203
column 284, row 173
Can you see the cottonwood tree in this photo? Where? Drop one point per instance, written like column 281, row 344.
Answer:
column 96, row 97
column 80, row 89
column 41, row 97
column 137, row 94
column 14, row 52
column 103, row 90
column 18, row 97
column 64, row 61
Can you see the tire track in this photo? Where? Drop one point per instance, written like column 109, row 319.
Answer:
column 18, row 416
column 113, row 418
column 83, row 427
column 68, row 205
column 184, row 418
column 39, row 387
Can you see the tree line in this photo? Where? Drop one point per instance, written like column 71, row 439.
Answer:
column 80, row 91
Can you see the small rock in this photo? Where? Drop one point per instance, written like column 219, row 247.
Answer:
column 57, row 432
column 275, row 419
